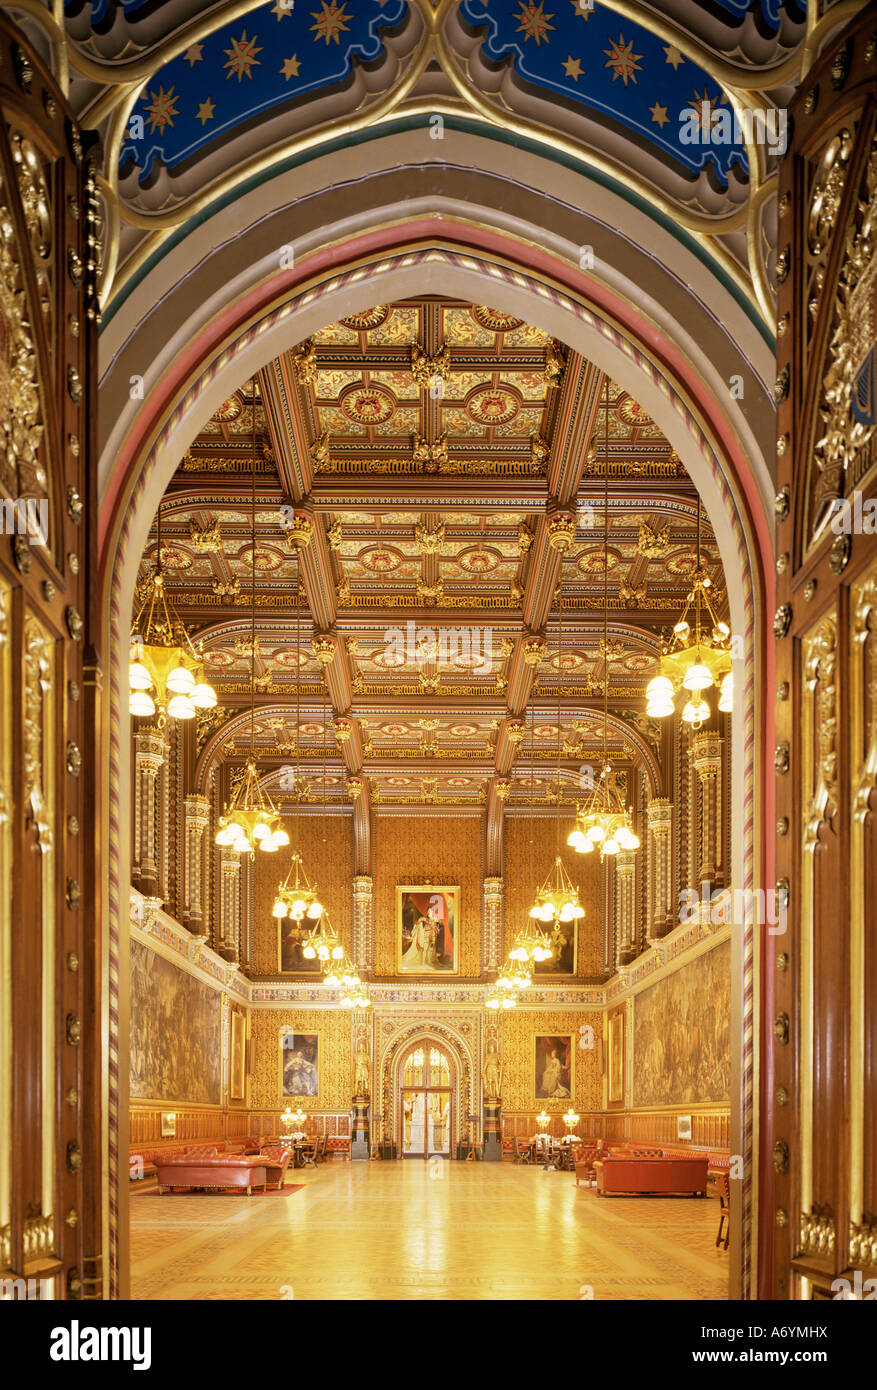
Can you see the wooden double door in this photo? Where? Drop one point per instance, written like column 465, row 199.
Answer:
column 426, row 1104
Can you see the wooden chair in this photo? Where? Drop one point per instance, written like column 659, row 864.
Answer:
column 723, row 1187
column 309, row 1154
column 521, row 1155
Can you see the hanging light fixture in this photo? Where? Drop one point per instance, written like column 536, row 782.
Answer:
column 558, row 899
column 297, row 897
column 603, row 821
column 251, row 821
column 501, row 998
column 165, row 671
column 694, row 661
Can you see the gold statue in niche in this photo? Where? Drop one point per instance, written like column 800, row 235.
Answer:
column 491, row 1073
column 362, row 1070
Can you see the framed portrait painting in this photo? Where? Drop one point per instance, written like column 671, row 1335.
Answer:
column 553, row 1066
column 616, row 1058
column 564, row 936
column 299, row 1065
column 238, row 1056
column 427, row 929
column 290, row 940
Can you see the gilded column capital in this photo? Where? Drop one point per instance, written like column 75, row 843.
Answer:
column 706, row 754
column 659, row 814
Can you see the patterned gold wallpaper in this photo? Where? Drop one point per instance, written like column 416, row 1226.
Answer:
column 423, row 850
column 519, row 1030
column 335, row 1073
column 520, row 880
column 331, row 864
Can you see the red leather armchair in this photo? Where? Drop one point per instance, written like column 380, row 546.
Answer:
column 276, row 1162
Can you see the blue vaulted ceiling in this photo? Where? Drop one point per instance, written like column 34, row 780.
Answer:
column 616, row 68
column 270, row 59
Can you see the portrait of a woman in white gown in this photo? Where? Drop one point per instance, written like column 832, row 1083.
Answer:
column 426, row 930
column 553, row 1068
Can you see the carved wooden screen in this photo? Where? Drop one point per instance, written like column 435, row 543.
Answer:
column 824, row 1099
column 49, row 803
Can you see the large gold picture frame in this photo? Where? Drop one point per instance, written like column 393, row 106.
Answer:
column 427, row 929
column 301, row 1081
column 237, row 1056
column 553, row 1067
column 616, row 1058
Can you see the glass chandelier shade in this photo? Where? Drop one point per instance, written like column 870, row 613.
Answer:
column 297, row 897
column 558, row 899
column 603, row 821
column 695, row 658
column 251, row 820
column 165, row 671
column 501, row 997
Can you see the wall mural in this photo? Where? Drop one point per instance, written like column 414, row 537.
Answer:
column 176, row 1047
column 682, row 1031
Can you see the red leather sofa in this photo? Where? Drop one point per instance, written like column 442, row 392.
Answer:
column 187, row 1171
column 142, row 1158
column 636, row 1175
column 338, row 1144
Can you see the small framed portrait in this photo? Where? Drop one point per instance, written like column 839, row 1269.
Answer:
column 238, row 1056
column 168, row 1124
column 683, row 1126
column 553, row 1067
column 427, row 930
column 290, row 940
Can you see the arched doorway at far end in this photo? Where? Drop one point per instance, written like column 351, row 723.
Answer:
column 426, row 1080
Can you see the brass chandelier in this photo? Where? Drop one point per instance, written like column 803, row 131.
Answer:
column 165, row 671
column 603, row 821
column 693, row 661
column 297, row 897
column 251, row 821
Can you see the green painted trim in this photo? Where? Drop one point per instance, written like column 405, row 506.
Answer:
column 466, row 127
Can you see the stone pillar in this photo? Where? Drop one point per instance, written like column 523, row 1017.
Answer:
column 197, row 812
column 361, row 948
column 660, row 889
column 149, row 751
column 706, row 760
column 228, row 935
column 625, row 939
column 491, row 951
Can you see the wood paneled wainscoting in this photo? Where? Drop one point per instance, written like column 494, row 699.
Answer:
column 202, row 1123
column 710, row 1126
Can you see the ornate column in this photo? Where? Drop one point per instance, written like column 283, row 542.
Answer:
column 706, row 759
column 361, row 947
column 197, row 811
column 660, row 892
column 492, row 917
column 625, row 938
column 149, row 751
column 228, row 935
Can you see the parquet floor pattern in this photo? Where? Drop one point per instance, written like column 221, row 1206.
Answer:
column 391, row 1231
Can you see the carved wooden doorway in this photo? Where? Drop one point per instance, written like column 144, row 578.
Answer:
column 50, row 1092
column 820, row 1191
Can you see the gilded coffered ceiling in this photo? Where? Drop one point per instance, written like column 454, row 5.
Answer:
column 432, row 632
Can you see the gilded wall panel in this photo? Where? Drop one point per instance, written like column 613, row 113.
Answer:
column 521, row 1028
column 335, row 1057
column 682, row 1033
column 325, row 844
column 525, row 870
column 428, row 849
column 176, row 1034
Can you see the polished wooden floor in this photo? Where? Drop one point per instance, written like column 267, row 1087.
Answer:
column 363, row 1231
